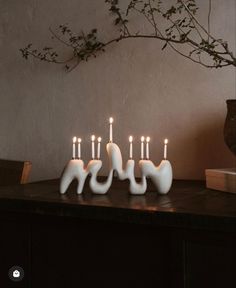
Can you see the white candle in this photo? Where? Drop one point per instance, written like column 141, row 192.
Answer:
column 130, row 147
column 73, row 147
column 165, row 148
column 99, row 147
column 147, row 147
column 93, row 146
column 142, row 147
column 79, row 147
column 110, row 129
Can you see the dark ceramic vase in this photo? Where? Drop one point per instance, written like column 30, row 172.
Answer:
column 230, row 125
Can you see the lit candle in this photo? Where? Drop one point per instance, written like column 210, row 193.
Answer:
column 165, row 148
column 142, row 147
column 99, row 147
column 79, row 147
column 110, row 130
column 73, row 147
column 93, row 146
column 130, row 147
column 147, row 147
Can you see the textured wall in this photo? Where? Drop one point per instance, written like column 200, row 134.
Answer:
column 146, row 90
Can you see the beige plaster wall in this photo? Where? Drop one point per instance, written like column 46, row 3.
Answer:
column 147, row 91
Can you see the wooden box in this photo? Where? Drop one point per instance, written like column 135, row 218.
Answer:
column 221, row 179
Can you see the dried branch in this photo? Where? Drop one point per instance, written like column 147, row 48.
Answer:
column 182, row 25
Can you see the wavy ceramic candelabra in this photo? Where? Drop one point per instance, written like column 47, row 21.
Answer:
column 73, row 170
column 116, row 164
column 99, row 188
column 161, row 176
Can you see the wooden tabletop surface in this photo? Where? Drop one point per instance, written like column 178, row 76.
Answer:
column 188, row 204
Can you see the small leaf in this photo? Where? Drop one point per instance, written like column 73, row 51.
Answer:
column 117, row 21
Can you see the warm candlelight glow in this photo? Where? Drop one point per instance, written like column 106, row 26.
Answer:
column 111, row 120
column 130, row 147
column 148, row 139
column 166, row 141
column 99, row 148
column 93, row 137
column 79, row 140
column 74, row 139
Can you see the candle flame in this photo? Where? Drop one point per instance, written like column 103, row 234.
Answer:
column 148, row 139
column 111, row 120
column 130, row 138
column 93, row 137
column 142, row 139
column 79, row 140
column 166, row 141
column 99, row 139
column 74, row 139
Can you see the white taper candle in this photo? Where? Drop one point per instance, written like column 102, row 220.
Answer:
column 130, row 147
column 73, row 148
column 79, row 147
column 142, row 147
column 110, row 129
column 147, row 147
column 99, row 148
column 165, row 148
column 93, row 146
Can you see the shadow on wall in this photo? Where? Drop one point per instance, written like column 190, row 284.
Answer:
column 204, row 148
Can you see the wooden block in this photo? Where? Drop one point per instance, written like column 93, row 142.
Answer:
column 26, row 172
column 221, row 179
column 14, row 172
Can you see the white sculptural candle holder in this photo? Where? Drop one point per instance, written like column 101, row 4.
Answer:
column 161, row 175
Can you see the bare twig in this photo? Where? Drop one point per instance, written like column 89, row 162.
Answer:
column 153, row 17
column 208, row 20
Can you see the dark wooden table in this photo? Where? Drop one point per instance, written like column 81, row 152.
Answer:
column 186, row 238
